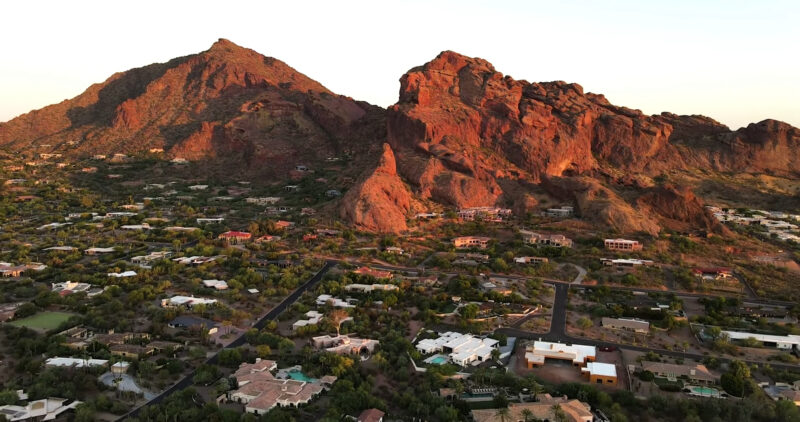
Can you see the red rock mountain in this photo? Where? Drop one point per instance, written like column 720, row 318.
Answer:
column 227, row 103
column 466, row 135
column 461, row 134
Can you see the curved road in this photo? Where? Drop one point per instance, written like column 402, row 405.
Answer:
column 186, row 381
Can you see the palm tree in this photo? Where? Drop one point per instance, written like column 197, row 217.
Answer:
column 504, row 414
column 527, row 414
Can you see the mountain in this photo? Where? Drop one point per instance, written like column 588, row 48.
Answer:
column 461, row 134
column 466, row 135
column 227, row 104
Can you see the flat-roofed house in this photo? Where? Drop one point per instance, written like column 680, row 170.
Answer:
column 622, row 245
column 578, row 354
column 470, row 242
column 601, row 373
column 541, row 239
column 545, row 409
column 627, row 324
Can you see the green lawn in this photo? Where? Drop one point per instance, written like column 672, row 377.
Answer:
column 44, row 321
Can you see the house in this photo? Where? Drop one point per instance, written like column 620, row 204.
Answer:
column 312, row 318
column 198, row 187
column 267, row 238
column 625, row 264
column 531, row 260
column 196, row 260
column 282, row 224
column 544, row 409
column 210, row 220
column 344, row 344
column 123, row 274
column 697, row 374
column 788, row 342
column 7, row 270
column 782, row 391
column 333, row 193
column 370, row 415
column 484, row 213
column 58, row 362
column 578, row 354
column 633, row 325
column 333, row 301
column 367, row 288
column 561, row 212
column 186, row 301
column 45, row 409
column 143, row 226
column 624, row 245
column 144, row 261
column 291, row 188
column 470, row 242
column 95, row 251
column 216, row 284
column 394, row 250
column 193, row 323
column 269, row 200
column 551, row 240
column 601, row 373
column 713, row 273
column 373, row 273
column 235, row 237
column 130, row 351
column 179, row 160
column 260, row 391
column 463, row 349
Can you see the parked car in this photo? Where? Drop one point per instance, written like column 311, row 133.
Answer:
column 608, row 348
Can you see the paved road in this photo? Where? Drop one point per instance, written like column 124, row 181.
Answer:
column 558, row 334
column 271, row 315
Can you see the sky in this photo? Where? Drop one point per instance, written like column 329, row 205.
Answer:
column 733, row 60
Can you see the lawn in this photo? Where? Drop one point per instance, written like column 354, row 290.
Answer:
column 43, row 321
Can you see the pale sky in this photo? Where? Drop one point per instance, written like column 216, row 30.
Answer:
column 736, row 61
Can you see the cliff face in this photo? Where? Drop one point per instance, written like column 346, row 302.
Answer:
column 379, row 201
column 466, row 135
column 227, row 103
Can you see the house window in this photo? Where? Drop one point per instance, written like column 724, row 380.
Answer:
column 599, row 381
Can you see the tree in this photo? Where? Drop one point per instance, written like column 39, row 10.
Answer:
column 469, row 311
column 558, row 414
column 584, row 323
column 527, row 414
column 503, row 414
column 337, row 316
column 735, row 379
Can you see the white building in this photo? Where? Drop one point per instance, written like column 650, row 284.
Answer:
column 216, row 284
column 366, row 288
column 187, row 301
column 779, row 342
column 463, row 349
column 333, row 301
column 74, row 363
column 312, row 318
column 578, row 354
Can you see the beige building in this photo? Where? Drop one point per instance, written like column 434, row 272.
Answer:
column 544, row 409
column 625, row 324
column 622, row 245
column 468, row 242
column 540, row 239
column 698, row 374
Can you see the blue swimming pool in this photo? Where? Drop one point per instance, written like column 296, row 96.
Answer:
column 300, row 376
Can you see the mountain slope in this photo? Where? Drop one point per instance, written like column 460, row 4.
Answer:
column 466, row 135
column 227, row 103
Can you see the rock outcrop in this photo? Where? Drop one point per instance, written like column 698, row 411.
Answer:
column 379, row 201
column 679, row 209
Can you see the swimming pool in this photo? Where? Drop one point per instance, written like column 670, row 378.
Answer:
column 300, row 376
column 436, row 360
column 704, row 391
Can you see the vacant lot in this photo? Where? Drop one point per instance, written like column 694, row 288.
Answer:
column 43, row 321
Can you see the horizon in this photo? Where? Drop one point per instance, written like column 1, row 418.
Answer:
column 635, row 71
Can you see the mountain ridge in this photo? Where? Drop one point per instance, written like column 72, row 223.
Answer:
column 461, row 134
